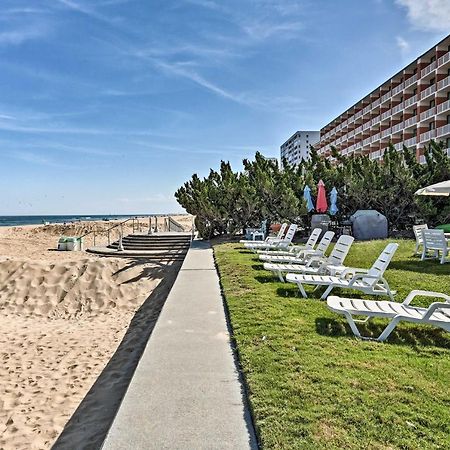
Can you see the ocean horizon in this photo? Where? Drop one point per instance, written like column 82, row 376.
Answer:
column 7, row 221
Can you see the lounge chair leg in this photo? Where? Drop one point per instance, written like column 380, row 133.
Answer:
column 327, row 292
column 280, row 276
column 302, row 290
column 388, row 330
column 352, row 324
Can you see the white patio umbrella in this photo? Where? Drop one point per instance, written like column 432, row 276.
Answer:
column 442, row 188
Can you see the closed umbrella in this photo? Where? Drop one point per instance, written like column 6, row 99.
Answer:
column 333, row 199
column 321, row 205
column 308, row 199
column 442, row 188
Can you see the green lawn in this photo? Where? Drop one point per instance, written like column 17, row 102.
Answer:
column 312, row 385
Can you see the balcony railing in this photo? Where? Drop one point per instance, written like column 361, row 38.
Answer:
column 375, row 155
column 442, row 131
column 367, row 109
column 351, row 133
column 410, row 80
column 411, row 121
column 398, row 88
column 443, row 59
column 444, row 83
column 410, row 101
column 424, row 137
column 428, row 91
column 397, row 127
column 398, row 108
column 443, row 107
column 428, row 113
column 338, row 127
column 366, row 141
column 351, row 119
column 376, row 103
column 358, row 130
column 386, row 96
column 367, row 125
column 411, row 141
column 428, row 69
column 386, row 132
column 375, row 137
column 358, row 114
column 398, row 146
column 386, row 114
column 375, row 120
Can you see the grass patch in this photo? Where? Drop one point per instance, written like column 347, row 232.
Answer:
column 312, row 385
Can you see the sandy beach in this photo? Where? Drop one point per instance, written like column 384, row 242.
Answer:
column 63, row 317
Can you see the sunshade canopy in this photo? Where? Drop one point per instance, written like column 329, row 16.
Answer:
column 442, row 188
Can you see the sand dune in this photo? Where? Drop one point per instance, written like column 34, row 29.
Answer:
column 62, row 318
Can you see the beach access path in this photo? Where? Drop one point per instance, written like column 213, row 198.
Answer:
column 186, row 392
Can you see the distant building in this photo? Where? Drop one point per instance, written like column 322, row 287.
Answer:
column 270, row 158
column 296, row 147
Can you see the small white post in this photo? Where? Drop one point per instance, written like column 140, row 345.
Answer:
column 120, row 246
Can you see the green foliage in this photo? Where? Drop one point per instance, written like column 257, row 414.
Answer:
column 312, row 385
column 227, row 201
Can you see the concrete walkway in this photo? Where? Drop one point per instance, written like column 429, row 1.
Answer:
column 186, row 392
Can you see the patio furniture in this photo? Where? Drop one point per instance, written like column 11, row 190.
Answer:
column 275, row 244
column 437, row 314
column 302, row 253
column 434, row 241
column 331, row 265
column 417, row 229
column 279, row 236
column 368, row 281
column 311, row 242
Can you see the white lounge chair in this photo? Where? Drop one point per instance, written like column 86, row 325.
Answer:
column 417, row 229
column 331, row 265
column 301, row 255
column 434, row 241
column 279, row 236
column 282, row 244
column 368, row 281
column 437, row 314
column 293, row 249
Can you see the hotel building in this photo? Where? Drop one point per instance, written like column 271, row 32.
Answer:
column 411, row 108
column 297, row 146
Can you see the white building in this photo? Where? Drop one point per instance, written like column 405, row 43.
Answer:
column 297, row 147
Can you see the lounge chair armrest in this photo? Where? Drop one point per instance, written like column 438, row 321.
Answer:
column 315, row 260
column 352, row 271
column 434, row 306
column 360, row 276
column 432, row 294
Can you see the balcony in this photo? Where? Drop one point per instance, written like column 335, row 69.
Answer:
column 358, row 130
column 410, row 101
column 358, row 114
column 367, row 109
column 351, row 119
column 366, row 141
column 425, row 137
column 426, row 70
column 409, row 122
column 375, row 155
column 351, row 133
column 428, row 113
column 386, row 97
column 398, row 88
column 386, row 115
column 398, row 127
column 442, row 131
column 375, row 120
column 375, row 137
column 410, row 81
column 443, row 107
column 443, row 59
column 410, row 142
column 366, row 125
column 398, row 146
column 338, row 128
column 385, row 133
column 443, row 83
column 398, row 108
column 376, row 103
column 428, row 91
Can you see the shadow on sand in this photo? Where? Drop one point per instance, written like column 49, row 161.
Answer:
column 88, row 426
column 411, row 335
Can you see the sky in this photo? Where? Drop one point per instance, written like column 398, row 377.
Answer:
column 108, row 106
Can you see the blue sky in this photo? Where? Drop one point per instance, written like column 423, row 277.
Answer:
column 107, row 106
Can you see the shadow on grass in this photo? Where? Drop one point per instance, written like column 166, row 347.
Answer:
column 416, row 265
column 411, row 335
column 290, row 291
column 269, row 278
column 257, row 267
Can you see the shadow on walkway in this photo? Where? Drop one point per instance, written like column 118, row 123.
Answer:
column 88, row 426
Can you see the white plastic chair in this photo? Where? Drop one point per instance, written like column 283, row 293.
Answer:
column 368, row 281
column 303, row 253
column 434, row 241
column 292, row 250
column 332, row 264
column 437, row 314
column 417, row 229
column 281, row 244
column 279, row 236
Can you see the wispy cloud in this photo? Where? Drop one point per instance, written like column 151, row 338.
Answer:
column 428, row 15
column 403, row 45
column 20, row 35
column 88, row 11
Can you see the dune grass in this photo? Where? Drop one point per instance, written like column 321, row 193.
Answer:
column 312, row 385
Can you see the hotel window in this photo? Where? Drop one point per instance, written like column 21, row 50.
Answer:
column 448, row 119
column 431, row 126
column 447, row 142
column 433, row 58
column 432, row 81
column 432, row 103
column 415, row 91
column 414, row 112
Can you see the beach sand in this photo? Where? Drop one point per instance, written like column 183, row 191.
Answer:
column 65, row 331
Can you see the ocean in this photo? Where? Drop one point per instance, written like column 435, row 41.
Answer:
column 36, row 220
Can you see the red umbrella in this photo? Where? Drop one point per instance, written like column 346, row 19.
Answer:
column 322, row 205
